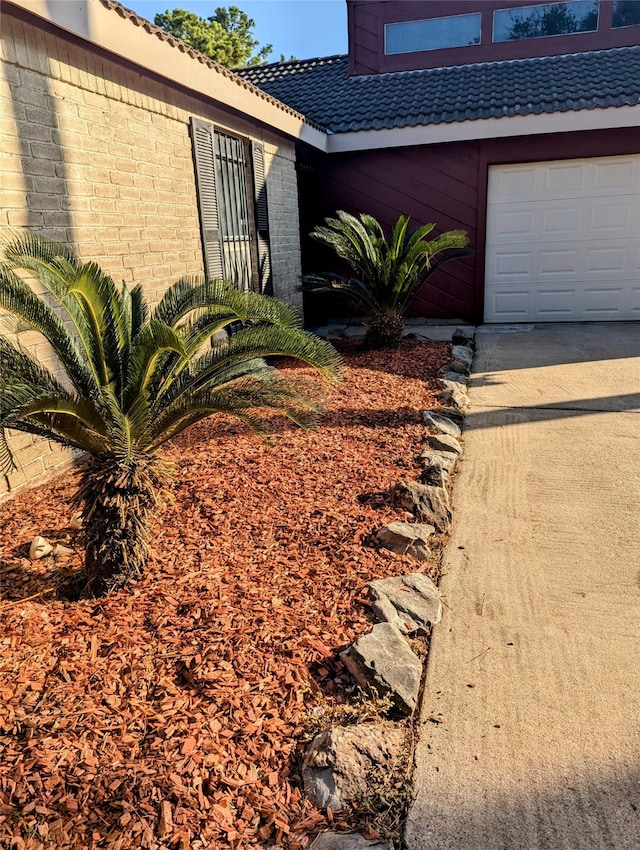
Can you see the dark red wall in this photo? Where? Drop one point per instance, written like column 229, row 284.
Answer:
column 445, row 184
column 366, row 20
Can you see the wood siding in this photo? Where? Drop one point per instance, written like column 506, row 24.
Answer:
column 368, row 17
column 445, row 184
column 439, row 184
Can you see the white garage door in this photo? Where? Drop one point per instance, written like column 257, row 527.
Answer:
column 563, row 241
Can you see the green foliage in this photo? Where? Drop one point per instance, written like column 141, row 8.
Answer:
column 390, row 273
column 226, row 37
column 128, row 379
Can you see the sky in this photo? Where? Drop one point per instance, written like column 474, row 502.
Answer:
column 305, row 29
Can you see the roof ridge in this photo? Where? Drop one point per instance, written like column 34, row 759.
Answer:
column 268, row 65
column 497, row 62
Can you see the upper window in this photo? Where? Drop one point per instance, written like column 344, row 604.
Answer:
column 432, row 34
column 626, row 13
column 546, row 19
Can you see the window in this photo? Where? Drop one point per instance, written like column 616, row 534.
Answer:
column 626, row 13
column 232, row 196
column 546, row 19
column 432, row 34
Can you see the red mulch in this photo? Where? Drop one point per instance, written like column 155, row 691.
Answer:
column 168, row 715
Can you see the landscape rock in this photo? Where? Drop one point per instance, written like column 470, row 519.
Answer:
column 76, row 522
column 443, row 443
column 455, row 386
column 348, row 841
column 434, row 475
column 451, row 413
column 456, row 378
column 463, row 353
column 383, row 660
column 456, row 365
column 464, row 336
column 446, row 461
column 454, row 396
column 427, row 503
column 39, row 548
column 411, row 603
column 340, row 762
column 440, row 423
column 407, row 538
column 60, row 551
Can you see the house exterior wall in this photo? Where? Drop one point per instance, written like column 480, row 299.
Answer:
column 367, row 18
column 445, row 184
column 98, row 155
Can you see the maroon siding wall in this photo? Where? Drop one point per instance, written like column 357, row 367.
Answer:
column 445, row 184
column 368, row 17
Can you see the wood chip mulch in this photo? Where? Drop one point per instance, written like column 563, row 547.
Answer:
column 169, row 715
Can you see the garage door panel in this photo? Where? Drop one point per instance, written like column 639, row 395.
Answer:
column 557, row 303
column 563, row 241
column 601, row 302
column 557, row 220
column 620, row 175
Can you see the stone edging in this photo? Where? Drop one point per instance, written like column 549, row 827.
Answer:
column 343, row 761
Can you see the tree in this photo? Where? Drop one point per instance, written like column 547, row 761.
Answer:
column 390, row 274
column 225, row 37
column 132, row 379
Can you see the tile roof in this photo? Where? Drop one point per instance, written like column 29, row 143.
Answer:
column 322, row 90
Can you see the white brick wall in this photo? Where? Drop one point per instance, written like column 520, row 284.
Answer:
column 98, row 156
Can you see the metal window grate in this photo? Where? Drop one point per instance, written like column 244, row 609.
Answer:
column 233, row 207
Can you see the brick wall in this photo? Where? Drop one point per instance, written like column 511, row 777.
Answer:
column 97, row 155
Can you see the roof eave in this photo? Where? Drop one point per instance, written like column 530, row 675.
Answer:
column 486, row 128
column 135, row 40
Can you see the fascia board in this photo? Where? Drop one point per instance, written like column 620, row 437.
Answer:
column 487, row 128
column 102, row 27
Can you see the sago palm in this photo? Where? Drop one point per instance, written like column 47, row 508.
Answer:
column 129, row 379
column 389, row 273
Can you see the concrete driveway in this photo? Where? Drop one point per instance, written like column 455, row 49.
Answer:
column 530, row 733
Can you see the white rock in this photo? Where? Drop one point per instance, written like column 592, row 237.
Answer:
column 39, row 548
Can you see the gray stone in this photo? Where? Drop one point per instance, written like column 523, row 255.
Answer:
column 454, row 386
column 39, row 548
column 341, row 761
column 444, row 460
column 382, row 660
column 440, row 423
column 463, row 353
column 348, row 841
column 407, row 538
column 427, row 503
column 411, row 603
column 443, row 443
column 451, row 413
column 464, row 336
column 456, row 366
column 434, row 475
column 453, row 396
column 456, row 378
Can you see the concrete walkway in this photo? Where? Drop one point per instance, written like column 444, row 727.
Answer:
column 531, row 715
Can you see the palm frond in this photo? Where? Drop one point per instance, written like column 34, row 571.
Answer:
column 388, row 273
column 17, row 298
